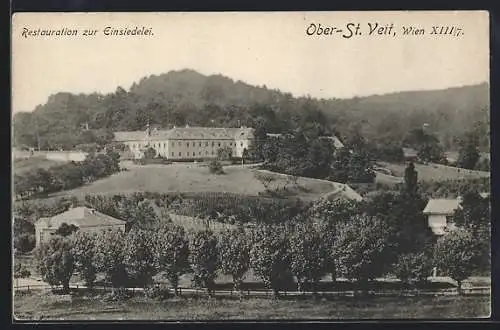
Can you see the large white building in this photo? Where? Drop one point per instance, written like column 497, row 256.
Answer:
column 188, row 143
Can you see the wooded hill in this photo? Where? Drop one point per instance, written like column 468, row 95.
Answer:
column 188, row 97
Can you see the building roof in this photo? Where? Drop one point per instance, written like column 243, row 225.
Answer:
column 188, row 133
column 336, row 141
column 80, row 217
column 130, row 136
column 410, row 152
column 342, row 191
column 442, row 206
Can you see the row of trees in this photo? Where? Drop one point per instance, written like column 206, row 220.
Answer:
column 42, row 181
column 358, row 249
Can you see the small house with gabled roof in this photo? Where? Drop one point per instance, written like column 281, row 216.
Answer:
column 86, row 219
column 439, row 212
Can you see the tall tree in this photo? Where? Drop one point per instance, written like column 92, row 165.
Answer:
column 171, row 250
column 468, row 154
column 361, row 248
column 85, row 256
column 139, row 256
column 110, row 256
column 455, row 255
column 309, row 254
column 204, row 258
column 411, row 179
column 55, row 261
column 270, row 257
column 234, row 251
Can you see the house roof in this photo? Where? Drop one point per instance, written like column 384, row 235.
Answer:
column 442, row 206
column 80, row 217
column 410, row 152
column 342, row 191
column 130, row 136
column 188, row 133
column 336, row 141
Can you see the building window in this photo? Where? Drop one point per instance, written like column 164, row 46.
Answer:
column 219, row 144
column 164, row 145
column 212, row 152
column 187, row 144
column 172, row 154
column 199, row 153
column 241, row 144
column 199, row 144
column 206, row 153
column 206, row 144
column 194, row 154
column 179, row 143
column 213, row 144
column 173, row 144
column 180, row 153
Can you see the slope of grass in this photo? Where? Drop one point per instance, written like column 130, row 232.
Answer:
column 434, row 172
column 193, row 178
column 23, row 165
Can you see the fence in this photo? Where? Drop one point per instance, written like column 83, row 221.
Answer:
column 268, row 293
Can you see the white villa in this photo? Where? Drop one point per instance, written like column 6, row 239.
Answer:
column 440, row 210
column 187, row 143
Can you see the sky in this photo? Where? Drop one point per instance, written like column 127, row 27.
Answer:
column 258, row 48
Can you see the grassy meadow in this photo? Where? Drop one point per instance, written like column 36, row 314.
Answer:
column 434, row 172
column 36, row 306
column 189, row 177
column 23, row 165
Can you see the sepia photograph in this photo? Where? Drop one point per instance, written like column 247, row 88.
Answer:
column 244, row 166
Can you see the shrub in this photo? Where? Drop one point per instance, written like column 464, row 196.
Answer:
column 215, row 167
column 24, row 242
column 413, row 267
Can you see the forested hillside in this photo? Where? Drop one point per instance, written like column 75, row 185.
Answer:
column 187, row 97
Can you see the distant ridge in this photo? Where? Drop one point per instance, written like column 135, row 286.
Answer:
column 189, row 97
